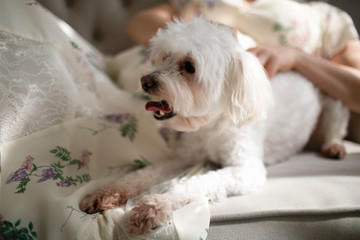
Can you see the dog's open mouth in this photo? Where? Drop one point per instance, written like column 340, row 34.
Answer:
column 162, row 110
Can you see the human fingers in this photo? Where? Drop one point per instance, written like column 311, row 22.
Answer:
column 272, row 66
column 262, row 55
column 254, row 50
column 268, row 59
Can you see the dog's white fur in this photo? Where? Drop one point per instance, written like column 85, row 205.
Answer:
column 234, row 116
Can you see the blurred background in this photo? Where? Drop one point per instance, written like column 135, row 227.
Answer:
column 103, row 22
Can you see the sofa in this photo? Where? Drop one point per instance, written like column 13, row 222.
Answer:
column 306, row 197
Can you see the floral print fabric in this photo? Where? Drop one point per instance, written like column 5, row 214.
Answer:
column 78, row 133
column 45, row 175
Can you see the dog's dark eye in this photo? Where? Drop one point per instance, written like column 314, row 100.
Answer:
column 189, row 67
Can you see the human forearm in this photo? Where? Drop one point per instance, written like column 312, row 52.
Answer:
column 338, row 81
column 144, row 25
column 338, row 77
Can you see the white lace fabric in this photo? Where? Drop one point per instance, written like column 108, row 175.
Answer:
column 43, row 84
column 48, row 73
column 36, row 91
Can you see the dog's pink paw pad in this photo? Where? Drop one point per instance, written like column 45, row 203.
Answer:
column 150, row 212
column 334, row 151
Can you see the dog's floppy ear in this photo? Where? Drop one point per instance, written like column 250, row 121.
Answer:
column 249, row 91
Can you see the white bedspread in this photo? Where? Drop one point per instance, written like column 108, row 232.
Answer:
column 45, row 176
column 66, row 129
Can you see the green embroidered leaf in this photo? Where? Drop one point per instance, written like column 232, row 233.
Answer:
column 22, row 185
column 8, row 225
column 53, row 151
column 129, row 129
column 278, row 27
column 24, row 231
column 86, row 177
column 62, row 153
column 74, row 45
column 31, row 226
column 34, row 168
column 57, row 166
column 34, row 234
column 9, row 234
column 17, row 223
column 22, row 190
column 10, row 231
column 76, row 162
column 142, row 162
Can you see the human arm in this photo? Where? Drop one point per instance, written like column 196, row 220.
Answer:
column 338, row 77
column 144, row 25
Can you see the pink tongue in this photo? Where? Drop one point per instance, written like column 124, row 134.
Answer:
column 157, row 106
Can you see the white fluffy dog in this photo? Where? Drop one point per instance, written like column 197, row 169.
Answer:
column 205, row 83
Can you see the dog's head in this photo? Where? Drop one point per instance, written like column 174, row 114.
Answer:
column 198, row 70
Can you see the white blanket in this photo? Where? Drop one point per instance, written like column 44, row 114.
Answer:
column 66, row 129
column 46, row 174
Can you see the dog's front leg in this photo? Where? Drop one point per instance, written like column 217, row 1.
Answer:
column 153, row 210
column 131, row 185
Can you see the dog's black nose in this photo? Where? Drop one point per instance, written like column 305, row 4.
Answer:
column 148, row 83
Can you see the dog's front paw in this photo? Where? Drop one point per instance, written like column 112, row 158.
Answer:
column 106, row 198
column 150, row 212
column 334, row 151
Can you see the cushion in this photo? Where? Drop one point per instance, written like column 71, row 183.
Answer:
column 307, row 195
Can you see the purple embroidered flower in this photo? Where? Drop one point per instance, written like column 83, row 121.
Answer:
column 63, row 183
column 117, row 118
column 18, row 175
column 85, row 158
column 28, row 165
column 163, row 133
column 47, row 174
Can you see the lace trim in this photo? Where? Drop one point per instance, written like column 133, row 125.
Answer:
column 34, row 87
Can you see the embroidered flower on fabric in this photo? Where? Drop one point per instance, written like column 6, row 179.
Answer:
column 53, row 171
column 47, row 174
column 16, row 176
column 117, row 118
column 63, row 183
column 28, row 163
column 85, row 159
column 128, row 125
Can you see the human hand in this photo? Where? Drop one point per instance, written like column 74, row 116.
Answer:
column 276, row 58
